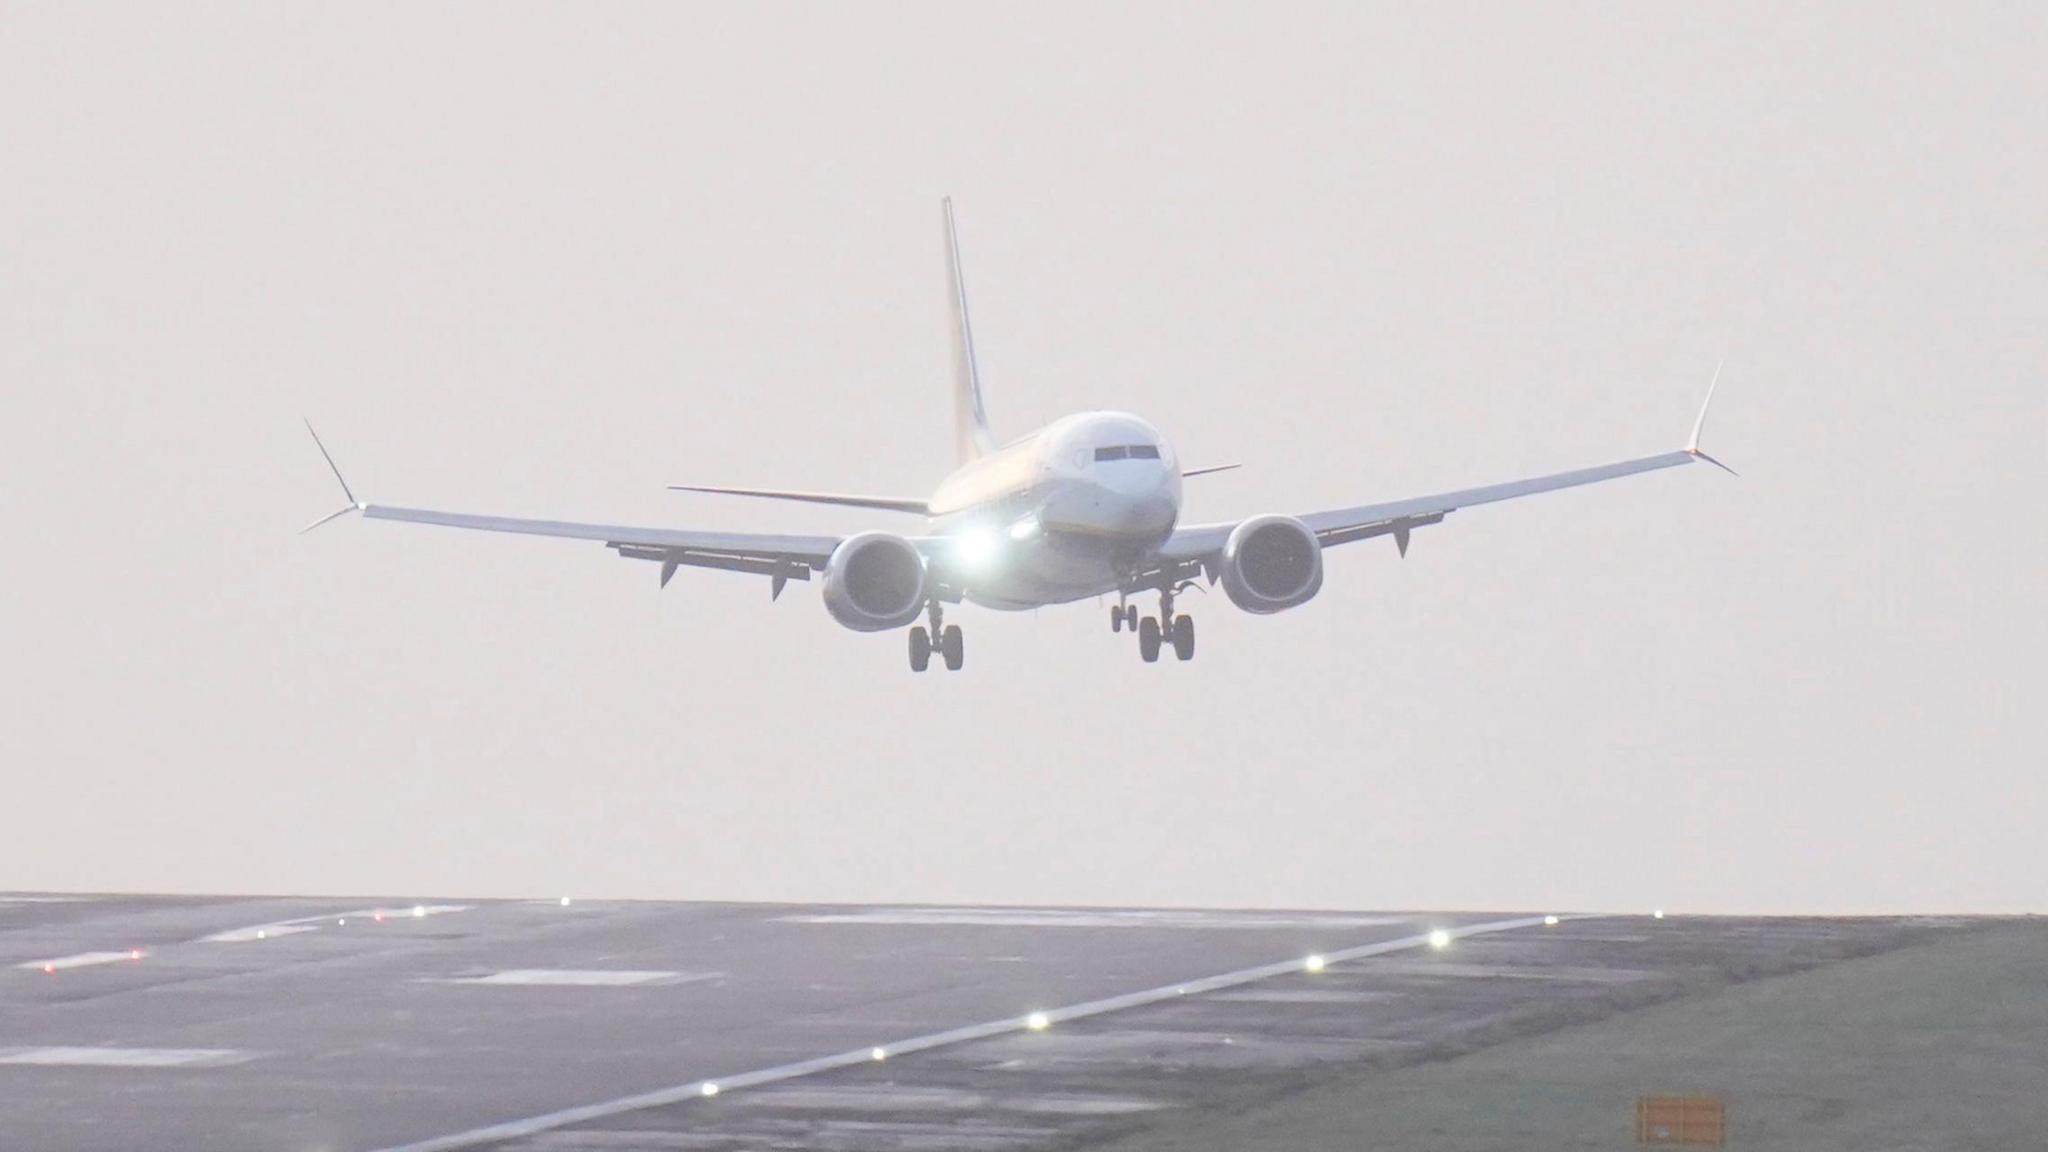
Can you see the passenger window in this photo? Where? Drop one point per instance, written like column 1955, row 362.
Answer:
column 1116, row 453
column 1144, row 452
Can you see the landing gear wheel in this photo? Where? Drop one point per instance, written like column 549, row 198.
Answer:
column 1131, row 617
column 1183, row 638
column 920, row 649
column 1116, row 619
column 1148, row 640
column 952, row 647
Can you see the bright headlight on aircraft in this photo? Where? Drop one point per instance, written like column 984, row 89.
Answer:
column 977, row 549
column 1439, row 939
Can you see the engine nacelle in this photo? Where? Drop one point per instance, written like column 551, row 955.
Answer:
column 874, row 581
column 1271, row 563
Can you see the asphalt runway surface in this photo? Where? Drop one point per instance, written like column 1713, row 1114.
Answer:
column 343, row 1025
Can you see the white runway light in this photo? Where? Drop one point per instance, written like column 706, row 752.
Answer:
column 1438, row 938
column 1038, row 1021
column 1550, row 921
column 710, row 1089
column 1657, row 915
column 878, row 1054
column 1313, row 963
column 419, row 911
column 565, row 901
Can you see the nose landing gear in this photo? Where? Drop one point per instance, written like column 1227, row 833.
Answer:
column 942, row 638
column 1123, row 616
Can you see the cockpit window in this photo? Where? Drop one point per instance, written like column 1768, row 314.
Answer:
column 1131, row 451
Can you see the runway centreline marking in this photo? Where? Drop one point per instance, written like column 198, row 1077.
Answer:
column 715, row 1085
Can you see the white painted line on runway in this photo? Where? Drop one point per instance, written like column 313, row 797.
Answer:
column 80, row 960
column 1049, row 1018
column 1088, row 918
column 82, row 1057
column 314, row 923
column 13, row 899
column 576, row 977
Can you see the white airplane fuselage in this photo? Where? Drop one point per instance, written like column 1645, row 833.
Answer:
column 1068, row 512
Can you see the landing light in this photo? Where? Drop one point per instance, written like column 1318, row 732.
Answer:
column 1438, row 938
column 1038, row 1021
column 977, row 548
column 1024, row 529
column 1313, row 964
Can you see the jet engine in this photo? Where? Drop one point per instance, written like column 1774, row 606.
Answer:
column 1271, row 563
column 874, row 581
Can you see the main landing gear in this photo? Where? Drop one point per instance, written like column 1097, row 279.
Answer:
column 949, row 646
column 1167, row 629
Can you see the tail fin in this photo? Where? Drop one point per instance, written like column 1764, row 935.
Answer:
column 970, row 416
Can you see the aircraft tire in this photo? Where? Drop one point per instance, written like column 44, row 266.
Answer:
column 952, row 647
column 920, row 649
column 1116, row 619
column 1148, row 640
column 1183, row 638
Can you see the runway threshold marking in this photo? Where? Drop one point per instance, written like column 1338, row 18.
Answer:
column 714, row 1085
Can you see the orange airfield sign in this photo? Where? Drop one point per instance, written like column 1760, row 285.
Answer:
column 1700, row 1121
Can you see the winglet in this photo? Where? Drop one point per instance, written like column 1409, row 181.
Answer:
column 1692, row 446
column 354, row 505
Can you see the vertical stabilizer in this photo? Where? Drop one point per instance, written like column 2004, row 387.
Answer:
column 970, row 416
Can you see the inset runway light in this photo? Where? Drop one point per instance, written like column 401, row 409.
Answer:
column 135, row 953
column 709, row 1089
column 1038, row 1021
column 1657, row 915
column 1313, row 963
column 378, row 916
column 1438, row 938
column 1550, row 921
column 49, row 969
column 878, row 1054
column 565, row 901
column 262, row 935
column 419, row 911
column 341, row 922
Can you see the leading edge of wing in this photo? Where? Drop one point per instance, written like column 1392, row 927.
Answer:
column 1338, row 519
column 813, row 550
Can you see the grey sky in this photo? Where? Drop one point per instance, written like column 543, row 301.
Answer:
column 544, row 260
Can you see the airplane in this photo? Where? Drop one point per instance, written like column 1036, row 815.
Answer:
column 1087, row 506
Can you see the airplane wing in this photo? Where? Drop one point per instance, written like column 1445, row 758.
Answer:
column 1197, row 547
column 780, row 558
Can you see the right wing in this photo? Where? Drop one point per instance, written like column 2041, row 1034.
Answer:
column 845, row 499
column 780, row 558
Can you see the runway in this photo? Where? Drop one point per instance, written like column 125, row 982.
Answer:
column 245, row 1023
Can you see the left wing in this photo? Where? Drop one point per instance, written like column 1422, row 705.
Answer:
column 1198, row 546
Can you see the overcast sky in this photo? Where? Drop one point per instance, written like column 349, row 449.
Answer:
column 544, row 260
